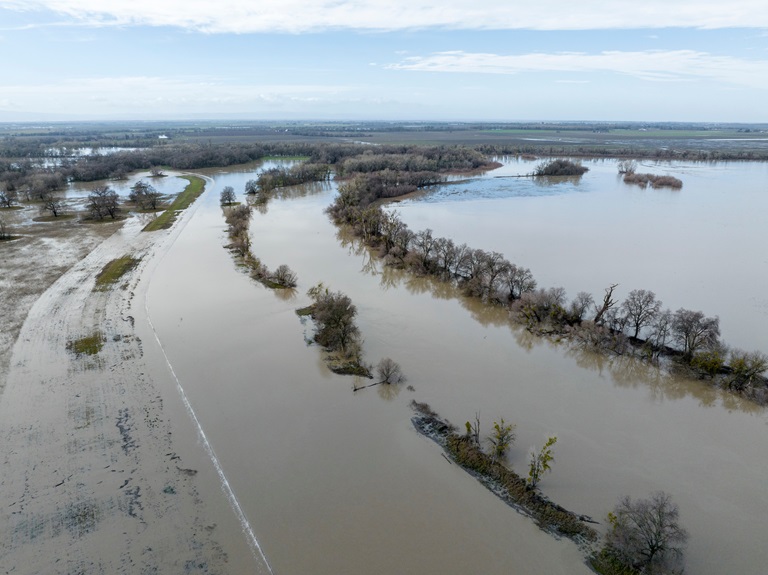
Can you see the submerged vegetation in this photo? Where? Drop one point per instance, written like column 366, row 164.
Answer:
column 238, row 222
column 560, row 167
column 336, row 330
column 466, row 451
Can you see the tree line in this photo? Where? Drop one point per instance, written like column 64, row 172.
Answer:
column 637, row 326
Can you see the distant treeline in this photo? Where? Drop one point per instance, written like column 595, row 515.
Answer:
column 421, row 163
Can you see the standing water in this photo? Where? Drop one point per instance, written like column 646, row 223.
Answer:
column 333, row 481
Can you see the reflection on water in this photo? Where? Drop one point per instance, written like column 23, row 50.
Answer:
column 314, row 463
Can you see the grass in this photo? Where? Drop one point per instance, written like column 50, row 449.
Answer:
column 165, row 220
column 7, row 209
column 88, row 345
column 113, row 271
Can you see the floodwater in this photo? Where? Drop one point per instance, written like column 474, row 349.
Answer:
column 335, row 482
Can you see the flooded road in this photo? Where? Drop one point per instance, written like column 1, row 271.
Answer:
column 339, row 482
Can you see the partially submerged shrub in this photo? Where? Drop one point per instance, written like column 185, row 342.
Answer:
column 644, row 180
column 560, row 167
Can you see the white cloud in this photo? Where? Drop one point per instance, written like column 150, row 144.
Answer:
column 294, row 16
column 654, row 65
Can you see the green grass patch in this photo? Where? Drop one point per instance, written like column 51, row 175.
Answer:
column 113, row 271
column 7, row 209
column 89, row 345
column 165, row 220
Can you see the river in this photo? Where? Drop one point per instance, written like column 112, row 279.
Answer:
column 333, row 481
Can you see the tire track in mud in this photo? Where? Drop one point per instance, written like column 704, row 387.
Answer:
column 90, row 480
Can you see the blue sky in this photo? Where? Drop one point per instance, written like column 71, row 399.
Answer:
column 673, row 60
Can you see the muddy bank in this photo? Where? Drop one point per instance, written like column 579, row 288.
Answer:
column 102, row 470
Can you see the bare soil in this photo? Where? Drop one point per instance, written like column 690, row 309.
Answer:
column 92, row 478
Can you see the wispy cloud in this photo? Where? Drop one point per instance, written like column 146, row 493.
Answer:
column 652, row 65
column 295, row 16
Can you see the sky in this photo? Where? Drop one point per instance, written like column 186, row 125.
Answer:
column 393, row 60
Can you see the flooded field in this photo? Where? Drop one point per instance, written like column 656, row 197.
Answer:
column 333, row 481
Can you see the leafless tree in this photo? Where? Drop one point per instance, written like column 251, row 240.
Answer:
column 334, row 315
column 608, row 303
column 285, row 276
column 228, row 196
column 693, row 331
column 627, row 166
column 156, row 172
column 579, row 306
column 103, row 201
column 4, row 233
column 389, row 371
column 52, row 204
column 641, row 307
column 145, row 196
column 645, row 535
column 8, row 197
column 519, row 280
column 661, row 330
column 251, row 187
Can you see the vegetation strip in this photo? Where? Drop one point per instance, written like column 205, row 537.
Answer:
column 165, row 220
column 88, row 345
column 503, row 482
column 114, row 270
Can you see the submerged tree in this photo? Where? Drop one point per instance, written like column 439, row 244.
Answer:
column 227, row 196
column 389, row 371
column 640, row 308
column 693, row 331
column 539, row 462
column 502, row 436
column 334, row 315
column 645, row 535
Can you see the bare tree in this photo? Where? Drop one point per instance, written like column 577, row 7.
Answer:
column 389, row 371
column 251, row 187
column 519, row 280
column 145, row 196
column 4, row 232
column 693, row 331
column 156, row 172
column 285, row 276
column 645, row 535
column 52, row 204
column 334, row 315
column 608, row 303
column 228, row 196
column 103, row 201
column 627, row 166
column 579, row 306
column 641, row 307
column 8, row 197
column 661, row 329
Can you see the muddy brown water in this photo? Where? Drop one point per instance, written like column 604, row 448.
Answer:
column 333, row 481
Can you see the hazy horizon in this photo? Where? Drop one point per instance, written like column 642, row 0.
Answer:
column 400, row 60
